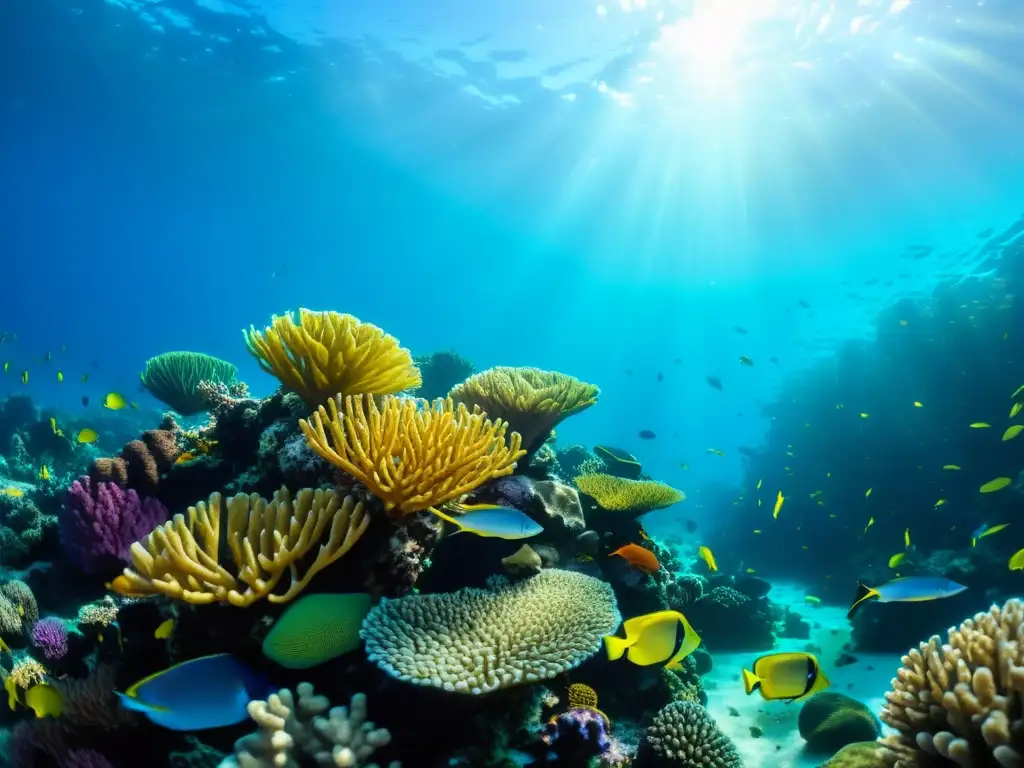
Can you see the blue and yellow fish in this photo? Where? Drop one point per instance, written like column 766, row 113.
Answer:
column 207, row 692
column 492, row 521
column 908, row 589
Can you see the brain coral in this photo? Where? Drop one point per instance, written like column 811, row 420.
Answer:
column 961, row 702
column 481, row 640
column 829, row 721
column 684, row 734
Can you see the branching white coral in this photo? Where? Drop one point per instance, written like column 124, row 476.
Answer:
column 295, row 733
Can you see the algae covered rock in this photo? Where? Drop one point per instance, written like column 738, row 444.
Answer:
column 860, row 754
column 829, row 721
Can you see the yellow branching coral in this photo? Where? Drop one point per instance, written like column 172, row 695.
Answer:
column 410, row 454
column 961, row 699
column 328, row 353
column 532, row 401
column 635, row 497
column 180, row 559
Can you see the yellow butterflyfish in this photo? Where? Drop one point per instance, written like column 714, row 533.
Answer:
column 778, row 505
column 87, row 436
column 663, row 637
column 785, row 677
column 114, row 401
column 44, row 700
column 1012, row 431
column 709, row 558
column 896, row 559
column 165, row 630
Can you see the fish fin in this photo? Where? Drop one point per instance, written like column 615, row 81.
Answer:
column 864, row 592
column 751, row 682
column 130, row 702
column 474, row 507
column 615, row 646
column 443, row 516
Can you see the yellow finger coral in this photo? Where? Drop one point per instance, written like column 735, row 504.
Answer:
column 635, row 497
column 961, row 699
column 328, row 353
column 532, row 401
column 480, row 640
column 181, row 559
column 410, row 454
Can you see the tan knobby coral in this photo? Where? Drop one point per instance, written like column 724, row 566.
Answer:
column 634, row 497
column 481, row 640
column 685, row 735
column 532, row 401
column 961, row 699
column 181, row 559
column 306, row 726
column 327, row 353
column 410, row 454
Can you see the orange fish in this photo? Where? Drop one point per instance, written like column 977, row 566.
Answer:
column 638, row 557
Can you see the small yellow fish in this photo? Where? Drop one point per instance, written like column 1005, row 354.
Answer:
column 980, row 425
column 7, row 366
column 757, row 530
column 1016, row 409
column 716, row 451
column 15, row 493
column 871, row 521
column 751, row 570
column 1019, row 390
column 939, row 503
column 952, row 467
column 24, row 376
column 759, row 484
column 60, row 376
column 1012, row 432
column 867, row 493
column 864, row 415
column 906, row 538
column 708, row 557
column 812, row 599
column 53, row 424
column 165, row 630
column 87, row 436
column 44, row 473
column 114, row 401
column 918, row 404
column 778, row 505
column 816, row 494
column 995, row 485
column 1017, row 561
column 44, row 700
column 896, row 559
column 185, row 458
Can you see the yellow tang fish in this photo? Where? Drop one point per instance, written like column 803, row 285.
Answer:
column 114, row 401
column 896, row 559
column 165, row 630
column 871, row 521
column 60, row 376
column 1012, row 432
column 709, row 558
column 778, row 505
column 87, row 436
column 1016, row 409
column 44, row 700
column 918, row 404
column 995, row 485
column 785, row 677
column 980, row 425
column 1017, row 561
column 952, row 467
column 663, row 637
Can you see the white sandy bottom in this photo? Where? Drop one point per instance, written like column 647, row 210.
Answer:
column 780, row 746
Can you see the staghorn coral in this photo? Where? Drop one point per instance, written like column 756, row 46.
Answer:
column 291, row 727
column 532, row 401
column 480, row 640
column 327, row 353
column 141, row 461
column 961, row 700
column 683, row 734
column 266, row 540
column 173, row 378
column 412, row 457
column 27, row 672
column 634, row 497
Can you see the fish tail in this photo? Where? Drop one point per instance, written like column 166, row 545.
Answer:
column 864, row 592
column 615, row 646
column 751, row 682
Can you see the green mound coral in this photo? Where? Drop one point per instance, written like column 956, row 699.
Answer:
column 316, row 629
column 173, row 378
column 861, row 754
column 633, row 497
column 480, row 640
column 829, row 721
column 683, row 734
column 962, row 699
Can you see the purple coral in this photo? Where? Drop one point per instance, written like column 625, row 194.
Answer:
column 578, row 734
column 51, row 637
column 101, row 521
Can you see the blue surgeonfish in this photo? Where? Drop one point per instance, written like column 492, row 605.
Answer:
column 663, row 637
column 909, row 589
column 785, row 677
column 491, row 521
column 207, row 692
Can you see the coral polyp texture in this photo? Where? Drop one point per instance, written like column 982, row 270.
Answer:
column 323, row 354
column 173, row 378
column 684, row 734
column 181, row 559
column 634, row 497
column 480, row 640
column 961, row 699
column 409, row 454
column 532, row 401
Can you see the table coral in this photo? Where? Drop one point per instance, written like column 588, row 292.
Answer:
column 479, row 640
column 632, row 497
column 962, row 699
column 173, row 378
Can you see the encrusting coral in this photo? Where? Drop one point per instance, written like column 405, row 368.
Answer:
column 532, row 401
column 481, row 640
column 293, row 727
column 266, row 540
column 961, row 700
column 327, row 353
column 173, row 378
column 684, row 734
column 634, row 497
column 410, row 455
